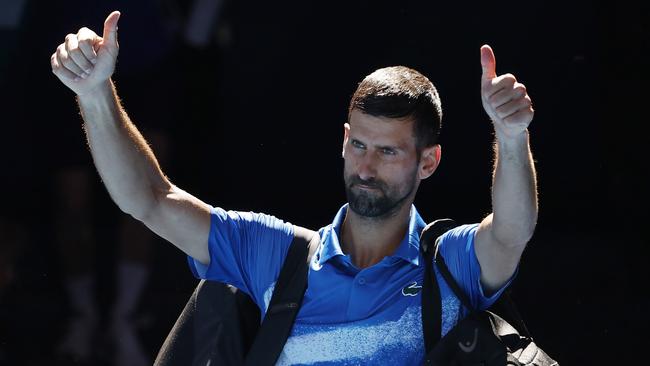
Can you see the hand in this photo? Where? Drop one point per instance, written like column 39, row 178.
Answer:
column 85, row 60
column 504, row 99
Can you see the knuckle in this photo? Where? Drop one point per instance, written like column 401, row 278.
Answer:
column 78, row 55
column 74, row 54
column 507, row 80
column 68, row 63
column 85, row 42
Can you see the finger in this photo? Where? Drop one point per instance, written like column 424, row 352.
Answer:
column 67, row 62
column 521, row 116
column 110, row 29
column 87, row 39
column 72, row 48
column 60, row 71
column 493, row 86
column 513, row 107
column 505, row 95
column 488, row 63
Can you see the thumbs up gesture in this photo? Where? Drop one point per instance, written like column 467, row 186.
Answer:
column 86, row 60
column 504, row 99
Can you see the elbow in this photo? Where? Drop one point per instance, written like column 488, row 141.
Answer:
column 514, row 235
column 143, row 208
column 138, row 212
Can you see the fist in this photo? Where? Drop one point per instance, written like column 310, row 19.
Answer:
column 85, row 60
column 504, row 99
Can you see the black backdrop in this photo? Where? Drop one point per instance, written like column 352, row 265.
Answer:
column 255, row 123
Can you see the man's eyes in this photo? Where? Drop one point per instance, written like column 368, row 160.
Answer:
column 384, row 150
column 358, row 144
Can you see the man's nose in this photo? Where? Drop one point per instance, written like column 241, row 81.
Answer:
column 367, row 168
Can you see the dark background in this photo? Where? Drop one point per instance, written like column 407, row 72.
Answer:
column 254, row 119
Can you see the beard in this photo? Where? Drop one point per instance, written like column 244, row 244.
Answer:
column 381, row 202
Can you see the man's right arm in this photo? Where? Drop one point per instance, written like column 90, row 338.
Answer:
column 126, row 164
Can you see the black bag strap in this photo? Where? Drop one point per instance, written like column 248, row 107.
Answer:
column 431, row 304
column 286, row 300
column 451, row 282
column 505, row 300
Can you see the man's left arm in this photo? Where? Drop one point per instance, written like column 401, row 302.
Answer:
column 502, row 236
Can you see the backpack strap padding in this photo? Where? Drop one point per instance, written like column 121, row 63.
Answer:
column 286, row 300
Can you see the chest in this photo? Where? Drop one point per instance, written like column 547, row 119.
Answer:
column 338, row 293
column 371, row 316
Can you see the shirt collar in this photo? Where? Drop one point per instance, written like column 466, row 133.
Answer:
column 408, row 249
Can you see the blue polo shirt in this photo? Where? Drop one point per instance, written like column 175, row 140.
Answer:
column 349, row 316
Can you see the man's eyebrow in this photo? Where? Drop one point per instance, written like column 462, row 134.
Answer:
column 379, row 146
column 389, row 147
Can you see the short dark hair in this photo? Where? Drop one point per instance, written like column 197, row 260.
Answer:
column 401, row 92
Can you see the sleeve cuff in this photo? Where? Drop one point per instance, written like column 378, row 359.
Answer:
column 199, row 270
column 487, row 301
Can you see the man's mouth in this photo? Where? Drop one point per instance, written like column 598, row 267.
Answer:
column 365, row 186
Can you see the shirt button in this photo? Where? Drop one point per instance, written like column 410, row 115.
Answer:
column 362, row 281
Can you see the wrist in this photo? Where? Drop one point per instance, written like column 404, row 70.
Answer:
column 100, row 91
column 509, row 138
column 510, row 146
column 97, row 97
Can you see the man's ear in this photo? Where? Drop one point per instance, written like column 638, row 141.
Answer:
column 346, row 137
column 429, row 161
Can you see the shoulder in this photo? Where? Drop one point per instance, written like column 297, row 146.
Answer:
column 248, row 220
column 458, row 239
column 460, row 232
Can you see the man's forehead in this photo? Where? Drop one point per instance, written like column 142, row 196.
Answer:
column 397, row 130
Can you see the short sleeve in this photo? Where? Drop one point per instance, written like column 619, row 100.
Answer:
column 457, row 248
column 246, row 250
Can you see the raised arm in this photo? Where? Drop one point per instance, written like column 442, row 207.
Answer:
column 126, row 163
column 502, row 236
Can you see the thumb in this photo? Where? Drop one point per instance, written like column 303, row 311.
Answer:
column 488, row 63
column 110, row 29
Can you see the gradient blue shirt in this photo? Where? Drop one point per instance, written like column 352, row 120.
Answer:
column 349, row 316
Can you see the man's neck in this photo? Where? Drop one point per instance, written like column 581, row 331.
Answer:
column 368, row 241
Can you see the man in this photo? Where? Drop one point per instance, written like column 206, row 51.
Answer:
column 362, row 303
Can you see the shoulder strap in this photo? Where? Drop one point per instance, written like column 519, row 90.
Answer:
column 286, row 300
column 431, row 304
column 451, row 282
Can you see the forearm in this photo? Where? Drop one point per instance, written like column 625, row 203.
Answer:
column 514, row 191
column 123, row 158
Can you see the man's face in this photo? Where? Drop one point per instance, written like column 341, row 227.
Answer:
column 381, row 167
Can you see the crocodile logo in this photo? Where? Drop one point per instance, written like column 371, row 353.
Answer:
column 411, row 290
